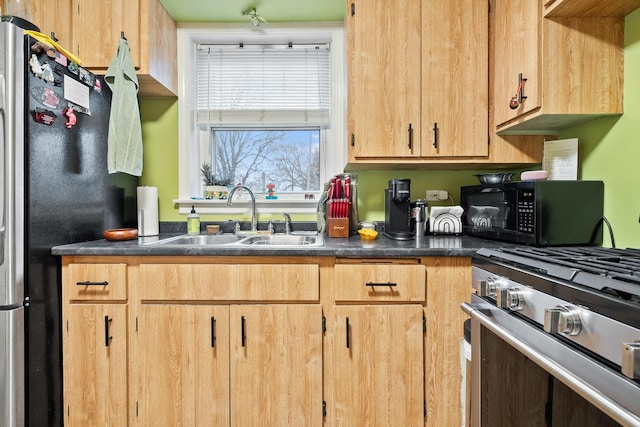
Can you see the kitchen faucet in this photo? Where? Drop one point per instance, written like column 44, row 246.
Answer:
column 254, row 216
column 287, row 223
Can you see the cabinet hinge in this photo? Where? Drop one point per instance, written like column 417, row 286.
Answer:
column 353, row 140
column 324, row 324
column 425, row 408
column 136, row 324
column 353, row 9
column 137, row 408
column 424, row 324
column 324, row 409
column 67, row 326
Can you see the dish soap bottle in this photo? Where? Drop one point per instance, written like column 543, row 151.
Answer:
column 193, row 222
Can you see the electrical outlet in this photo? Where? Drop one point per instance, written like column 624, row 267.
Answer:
column 435, row 195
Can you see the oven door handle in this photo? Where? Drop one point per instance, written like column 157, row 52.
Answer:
column 591, row 394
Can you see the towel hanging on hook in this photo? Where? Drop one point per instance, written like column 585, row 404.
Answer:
column 122, row 35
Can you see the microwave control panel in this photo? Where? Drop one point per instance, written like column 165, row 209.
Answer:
column 526, row 217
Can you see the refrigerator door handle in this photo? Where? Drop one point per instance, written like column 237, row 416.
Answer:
column 3, row 168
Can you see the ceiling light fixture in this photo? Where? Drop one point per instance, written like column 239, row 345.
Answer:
column 254, row 18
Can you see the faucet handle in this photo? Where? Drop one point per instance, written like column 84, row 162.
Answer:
column 236, row 228
column 270, row 228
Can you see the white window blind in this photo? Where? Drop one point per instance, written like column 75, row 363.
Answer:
column 263, row 85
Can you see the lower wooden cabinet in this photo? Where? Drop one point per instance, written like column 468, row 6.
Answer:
column 220, row 341
column 221, row 365
column 95, row 365
column 378, row 366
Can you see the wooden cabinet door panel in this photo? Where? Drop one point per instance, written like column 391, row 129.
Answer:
column 276, row 369
column 379, row 371
column 384, row 77
column 95, row 374
column 97, row 28
column 455, row 84
column 184, row 372
column 55, row 20
column 517, row 49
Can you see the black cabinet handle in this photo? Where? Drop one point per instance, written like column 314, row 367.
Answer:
column 348, row 334
column 243, row 331
column 436, row 135
column 380, row 284
column 213, row 332
column 88, row 283
column 410, row 137
column 107, row 337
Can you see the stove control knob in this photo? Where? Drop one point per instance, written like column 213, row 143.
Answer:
column 562, row 319
column 511, row 298
column 489, row 287
column 631, row 360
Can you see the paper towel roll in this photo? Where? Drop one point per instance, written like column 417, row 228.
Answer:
column 147, row 211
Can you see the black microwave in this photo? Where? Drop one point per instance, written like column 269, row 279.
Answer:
column 539, row 213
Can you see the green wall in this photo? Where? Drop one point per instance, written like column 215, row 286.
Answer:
column 609, row 151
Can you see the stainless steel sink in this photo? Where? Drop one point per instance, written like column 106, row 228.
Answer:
column 271, row 240
column 284, row 240
column 200, row 240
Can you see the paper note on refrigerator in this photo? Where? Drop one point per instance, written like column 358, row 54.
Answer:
column 560, row 159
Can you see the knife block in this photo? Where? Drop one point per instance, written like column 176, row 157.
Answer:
column 338, row 227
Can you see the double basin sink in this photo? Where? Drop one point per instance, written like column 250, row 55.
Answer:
column 271, row 240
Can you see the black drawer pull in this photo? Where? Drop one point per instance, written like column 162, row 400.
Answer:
column 88, row 283
column 381, row 284
column 107, row 337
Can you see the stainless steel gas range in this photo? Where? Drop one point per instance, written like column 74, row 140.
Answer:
column 555, row 336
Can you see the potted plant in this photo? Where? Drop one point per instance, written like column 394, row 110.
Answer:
column 214, row 187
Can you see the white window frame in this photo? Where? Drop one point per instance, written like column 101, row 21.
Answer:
column 334, row 158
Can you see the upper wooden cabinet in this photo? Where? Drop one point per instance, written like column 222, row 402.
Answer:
column 549, row 74
column 92, row 30
column 593, row 8
column 418, row 81
column 384, row 78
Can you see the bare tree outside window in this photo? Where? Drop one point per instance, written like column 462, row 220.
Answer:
column 288, row 158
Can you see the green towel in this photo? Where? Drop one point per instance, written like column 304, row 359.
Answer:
column 124, row 152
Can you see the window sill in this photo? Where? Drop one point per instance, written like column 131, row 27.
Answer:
column 243, row 206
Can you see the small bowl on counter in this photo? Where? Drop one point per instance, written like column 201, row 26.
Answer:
column 494, row 178
column 368, row 234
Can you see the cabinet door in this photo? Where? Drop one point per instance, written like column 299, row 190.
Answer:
column 55, row 20
column 276, row 365
column 183, row 364
column 95, row 365
column 377, row 354
column 516, row 50
column 455, row 78
column 384, row 78
column 97, row 28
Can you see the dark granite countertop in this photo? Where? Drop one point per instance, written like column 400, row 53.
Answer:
column 340, row 247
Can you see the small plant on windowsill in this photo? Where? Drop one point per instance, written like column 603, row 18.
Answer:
column 214, row 187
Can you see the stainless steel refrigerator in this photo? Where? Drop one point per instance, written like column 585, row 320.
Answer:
column 54, row 189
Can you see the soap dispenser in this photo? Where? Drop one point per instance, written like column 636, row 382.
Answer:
column 193, row 222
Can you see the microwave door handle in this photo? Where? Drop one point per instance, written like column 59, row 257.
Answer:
column 491, row 190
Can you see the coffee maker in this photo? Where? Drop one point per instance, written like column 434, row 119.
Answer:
column 397, row 210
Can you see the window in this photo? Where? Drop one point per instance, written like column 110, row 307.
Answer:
column 262, row 108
